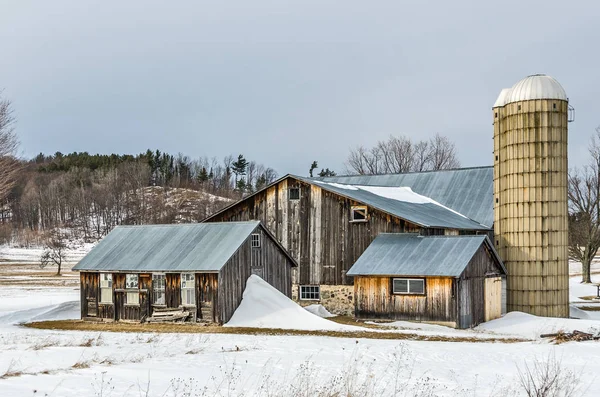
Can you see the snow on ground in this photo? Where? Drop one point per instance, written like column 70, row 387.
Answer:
column 263, row 306
column 70, row 363
column 319, row 310
column 10, row 253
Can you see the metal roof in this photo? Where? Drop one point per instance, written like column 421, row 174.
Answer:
column 537, row 86
column 188, row 247
column 468, row 191
column 408, row 254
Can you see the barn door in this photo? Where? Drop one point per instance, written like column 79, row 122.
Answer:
column 493, row 298
column 464, row 305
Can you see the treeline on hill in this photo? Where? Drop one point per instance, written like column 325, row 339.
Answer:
column 94, row 193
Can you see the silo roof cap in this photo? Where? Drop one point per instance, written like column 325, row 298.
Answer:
column 537, row 86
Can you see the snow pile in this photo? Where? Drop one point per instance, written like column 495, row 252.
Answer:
column 62, row 311
column 529, row 326
column 263, row 306
column 319, row 310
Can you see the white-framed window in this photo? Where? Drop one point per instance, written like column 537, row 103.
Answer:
column 188, row 290
column 408, row 286
column 132, row 289
column 158, row 287
column 106, row 290
column 255, row 240
column 310, row 292
column 294, row 193
column 358, row 213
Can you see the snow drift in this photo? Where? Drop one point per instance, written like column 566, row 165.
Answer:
column 62, row 311
column 530, row 326
column 263, row 306
column 319, row 310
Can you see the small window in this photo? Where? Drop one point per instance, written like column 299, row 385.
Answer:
column 188, row 290
column 294, row 193
column 496, row 158
column 255, row 240
column 496, row 200
column 132, row 285
column 106, row 294
column 408, row 286
column 358, row 214
column 496, row 114
column 158, row 286
column 310, row 292
column 554, row 106
column 519, row 107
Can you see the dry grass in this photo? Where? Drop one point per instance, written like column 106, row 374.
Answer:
column 589, row 298
column 590, row 308
column 79, row 325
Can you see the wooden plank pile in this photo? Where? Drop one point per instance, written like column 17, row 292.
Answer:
column 575, row 336
column 160, row 315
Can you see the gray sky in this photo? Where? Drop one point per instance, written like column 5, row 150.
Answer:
column 286, row 82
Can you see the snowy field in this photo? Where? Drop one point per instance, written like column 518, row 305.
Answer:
column 77, row 363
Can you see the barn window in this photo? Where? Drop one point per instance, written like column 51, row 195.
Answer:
column 408, row 286
column 158, row 286
column 554, row 106
column 256, row 240
column 132, row 285
column 188, row 290
column 310, row 292
column 358, row 213
column 106, row 295
column 294, row 193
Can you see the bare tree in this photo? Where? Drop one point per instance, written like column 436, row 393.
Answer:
column 584, row 210
column 400, row 154
column 55, row 250
column 442, row 153
column 9, row 165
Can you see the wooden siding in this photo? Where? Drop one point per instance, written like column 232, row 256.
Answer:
column 471, row 288
column 89, row 294
column 207, row 302
column 373, row 299
column 173, row 290
column 267, row 260
column 316, row 229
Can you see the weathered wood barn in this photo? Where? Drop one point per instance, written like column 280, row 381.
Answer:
column 138, row 271
column 327, row 223
column 452, row 280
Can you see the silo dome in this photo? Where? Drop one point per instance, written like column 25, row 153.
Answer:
column 537, row 86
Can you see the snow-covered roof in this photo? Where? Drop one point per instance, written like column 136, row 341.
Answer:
column 403, row 202
column 537, row 86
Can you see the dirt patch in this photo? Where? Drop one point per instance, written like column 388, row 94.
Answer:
column 78, row 325
column 590, row 308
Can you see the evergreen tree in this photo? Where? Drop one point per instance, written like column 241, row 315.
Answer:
column 239, row 167
column 313, row 166
column 326, row 172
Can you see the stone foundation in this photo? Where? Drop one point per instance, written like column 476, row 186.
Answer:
column 337, row 299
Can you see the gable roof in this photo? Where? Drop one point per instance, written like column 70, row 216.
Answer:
column 409, row 254
column 174, row 248
column 403, row 203
column 468, row 191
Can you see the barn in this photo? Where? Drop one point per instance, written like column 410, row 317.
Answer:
column 327, row 223
column 458, row 281
column 137, row 273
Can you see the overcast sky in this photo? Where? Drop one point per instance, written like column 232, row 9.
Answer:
column 286, row 82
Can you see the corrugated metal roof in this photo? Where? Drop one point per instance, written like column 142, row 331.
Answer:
column 409, row 254
column 537, row 86
column 188, row 247
column 426, row 214
column 468, row 191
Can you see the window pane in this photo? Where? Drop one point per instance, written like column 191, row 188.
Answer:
column 105, row 295
column 131, row 281
column 133, row 298
column 417, row 286
column 294, row 194
column 400, row 286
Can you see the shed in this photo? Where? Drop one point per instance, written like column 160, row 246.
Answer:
column 137, row 271
column 458, row 281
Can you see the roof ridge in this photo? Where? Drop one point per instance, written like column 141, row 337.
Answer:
column 405, row 173
column 188, row 224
